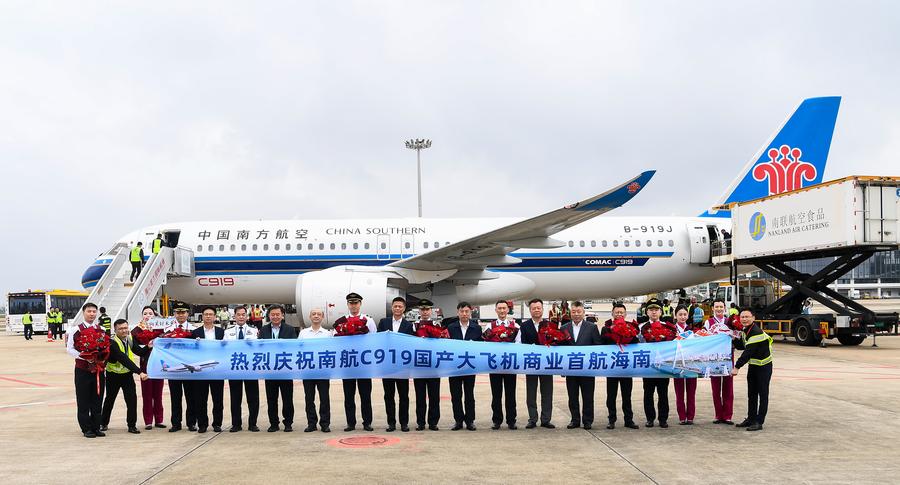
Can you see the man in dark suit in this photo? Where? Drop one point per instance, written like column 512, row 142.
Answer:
column 614, row 383
column 202, row 389
column 397, row 324
column 275, row 329
column 464, row 329
column 530, row 328
column 582, row 332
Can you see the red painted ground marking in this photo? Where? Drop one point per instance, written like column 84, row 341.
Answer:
column 798, row 378
column 882, row 378
column 851, row 372
column 23, row 382
column 445, row 398
column 70, row 403
column 362, row 442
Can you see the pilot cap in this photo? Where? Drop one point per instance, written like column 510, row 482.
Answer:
column 354, row 298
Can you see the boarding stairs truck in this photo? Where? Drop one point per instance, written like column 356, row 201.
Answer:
column 847, row 220
column 125, row 299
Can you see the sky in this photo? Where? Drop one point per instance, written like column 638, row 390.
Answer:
column 115, row 115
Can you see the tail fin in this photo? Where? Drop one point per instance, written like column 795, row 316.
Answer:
column 793, row 158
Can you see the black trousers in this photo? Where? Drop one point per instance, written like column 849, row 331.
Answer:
column 583, row 386
column 114, row 382
column 401, row 388
column 202, row 391
column 59, row 330
column 463, row 413
column 758, row 379
column 612, row 389
column 177, row 389
column 659, row 385
column 135, row 270
column 365, row 400
column 28, row 330
column 531, row 390
column 88, row 400
column 310, row 386
column 428, row 400
column 499, row 384
column 286, row 388
column 237, row 388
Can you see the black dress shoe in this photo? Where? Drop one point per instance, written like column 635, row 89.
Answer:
column 728, row 422
column 104, row 428
column 433, row 427
column 349, row 429
column 254, row 428
column 631, row 425
column 530, row 425
column 90, row 434
column 175, row 428
column 718, row 421
column 234, row 429
column 217, row 429
column 390, row 429
column 309, row 429
column 548, row 425
column 512, row 426
column 367, row 427
column 192, row 428
column 744, row 423
column 288, row 429
column 202, row 430
column 133, row 430
column 456, row 427
column 689, row 422
column 682, row 423
column 273, row 428
column 471, row 427
column 754, row 427
column 159, row 425
column 326, row 429
column 663, row 424
column 404, row 428
column 420, row 427
column 587, row 427
column 611, row 425
column 148, row 427
column 648, row 424
column 99, row 434
column 573, row 425
column 495, row 426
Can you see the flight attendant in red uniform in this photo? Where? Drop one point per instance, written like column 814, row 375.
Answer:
column 722, row 387
column 685, row 389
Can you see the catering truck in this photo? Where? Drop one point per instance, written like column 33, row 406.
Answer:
column 846, row 221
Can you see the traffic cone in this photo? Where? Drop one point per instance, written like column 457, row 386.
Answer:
column 50, row 335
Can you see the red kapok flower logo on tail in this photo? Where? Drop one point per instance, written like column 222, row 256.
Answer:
column 784, row 170
column 633, row 187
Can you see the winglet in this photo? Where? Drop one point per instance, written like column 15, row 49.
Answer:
column 618, row 196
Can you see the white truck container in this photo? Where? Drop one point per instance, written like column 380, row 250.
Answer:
column 852, row 211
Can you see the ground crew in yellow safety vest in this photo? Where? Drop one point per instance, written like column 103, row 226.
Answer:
column 104, row 320
column 757, row 347
column 157, row 244
column 137, row 261
column 119, row 369
column 666, row 311
column 59, row 323
column 27, row 326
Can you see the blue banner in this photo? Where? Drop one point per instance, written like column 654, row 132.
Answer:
column 395, row 355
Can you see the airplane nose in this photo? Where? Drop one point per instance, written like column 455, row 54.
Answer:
column 94, row 272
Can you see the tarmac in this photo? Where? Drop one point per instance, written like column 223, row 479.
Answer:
column 832, row 419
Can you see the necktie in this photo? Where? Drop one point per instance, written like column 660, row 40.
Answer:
column 241, row 333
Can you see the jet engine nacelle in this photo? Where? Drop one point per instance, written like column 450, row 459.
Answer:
column 328, row 289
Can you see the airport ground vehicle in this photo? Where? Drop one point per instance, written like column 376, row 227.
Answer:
column 38, row 302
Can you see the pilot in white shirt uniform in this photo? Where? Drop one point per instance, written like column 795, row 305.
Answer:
column 242, row 331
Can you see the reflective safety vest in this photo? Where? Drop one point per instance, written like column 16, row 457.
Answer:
column 756, row 339
column 157, row 244
column 27, row 319
column 116, row 367
column 105, row 322
column 135, row 254
column 667, row 311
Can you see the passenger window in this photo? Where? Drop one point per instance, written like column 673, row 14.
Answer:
column 343, row 245
column 355, row 245
column 287, row 247
column 233, row 247
column 221, row 247
column 426, row 245
column 437, row 245
column 199, row 248
column 383, row 246
column 321, row 246
column 581, row 243
column 627, row 243
column 254, row 247
column 659, row 243
column 243, row 247
column 367, row 246
column 593, row 244
column 332, row 245
column 571, row 244
column 616, row 243
column 406, row 245
column 637, row 243
column 649, row 243
column 671, row 243
column 209, row 248
column 265, row 247
column 603, row 243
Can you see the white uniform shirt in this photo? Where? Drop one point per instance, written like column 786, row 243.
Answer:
column 209, row 333
column 576, row 329
column 373, row 328
column 509, row 322
column 250, row 332
column 186, row 325
column 308, row 333
column 395, row 325
column 70, row 339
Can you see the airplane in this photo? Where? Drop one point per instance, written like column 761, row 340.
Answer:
column 565, row 253
column 192, row 368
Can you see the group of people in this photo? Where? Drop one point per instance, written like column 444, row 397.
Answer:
column 195, row 395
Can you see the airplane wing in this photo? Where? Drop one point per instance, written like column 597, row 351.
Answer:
column 493, row 248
